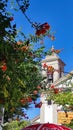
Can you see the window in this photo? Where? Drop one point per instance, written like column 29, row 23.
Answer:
column 50, row 77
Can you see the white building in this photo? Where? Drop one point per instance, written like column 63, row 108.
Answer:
column 48, row 112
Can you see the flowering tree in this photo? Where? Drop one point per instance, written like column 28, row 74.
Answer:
column 20, row 74
column 61, row 96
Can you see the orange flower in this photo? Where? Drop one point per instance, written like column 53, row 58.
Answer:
column 19, row 43
column 57, row 51
column 50, row 69
column 24, row 48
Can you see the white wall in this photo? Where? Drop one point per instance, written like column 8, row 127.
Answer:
column 48, row 113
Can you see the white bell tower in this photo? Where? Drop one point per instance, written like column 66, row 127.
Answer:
column 48, row 111
column 54, row 61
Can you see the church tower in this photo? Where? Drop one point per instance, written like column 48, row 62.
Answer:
column 48, row 111
column 57, row 64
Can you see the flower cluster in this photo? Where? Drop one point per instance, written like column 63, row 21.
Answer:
column 42, row 29
column 25, row 100
column 49, row 68
column 38, row 105
column 3, row 66
column 55, row 90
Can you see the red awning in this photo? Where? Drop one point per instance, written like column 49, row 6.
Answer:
column 46, row 126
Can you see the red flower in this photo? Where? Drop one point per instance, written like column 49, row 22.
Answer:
column 44, row 65
column 29, row 99
column 42, row 29
column 4, row 68
column 46, row 26
column 38, row 105
column 38, row 32
column 56, row 90
column 52, row 86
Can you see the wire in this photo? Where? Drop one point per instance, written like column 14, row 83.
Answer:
column 23, row 9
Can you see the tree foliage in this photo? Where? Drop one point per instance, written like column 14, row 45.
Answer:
column 20, row 73
column 15, row 125
column 62, row 95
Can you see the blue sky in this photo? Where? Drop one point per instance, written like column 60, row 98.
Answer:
column 59, row 14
